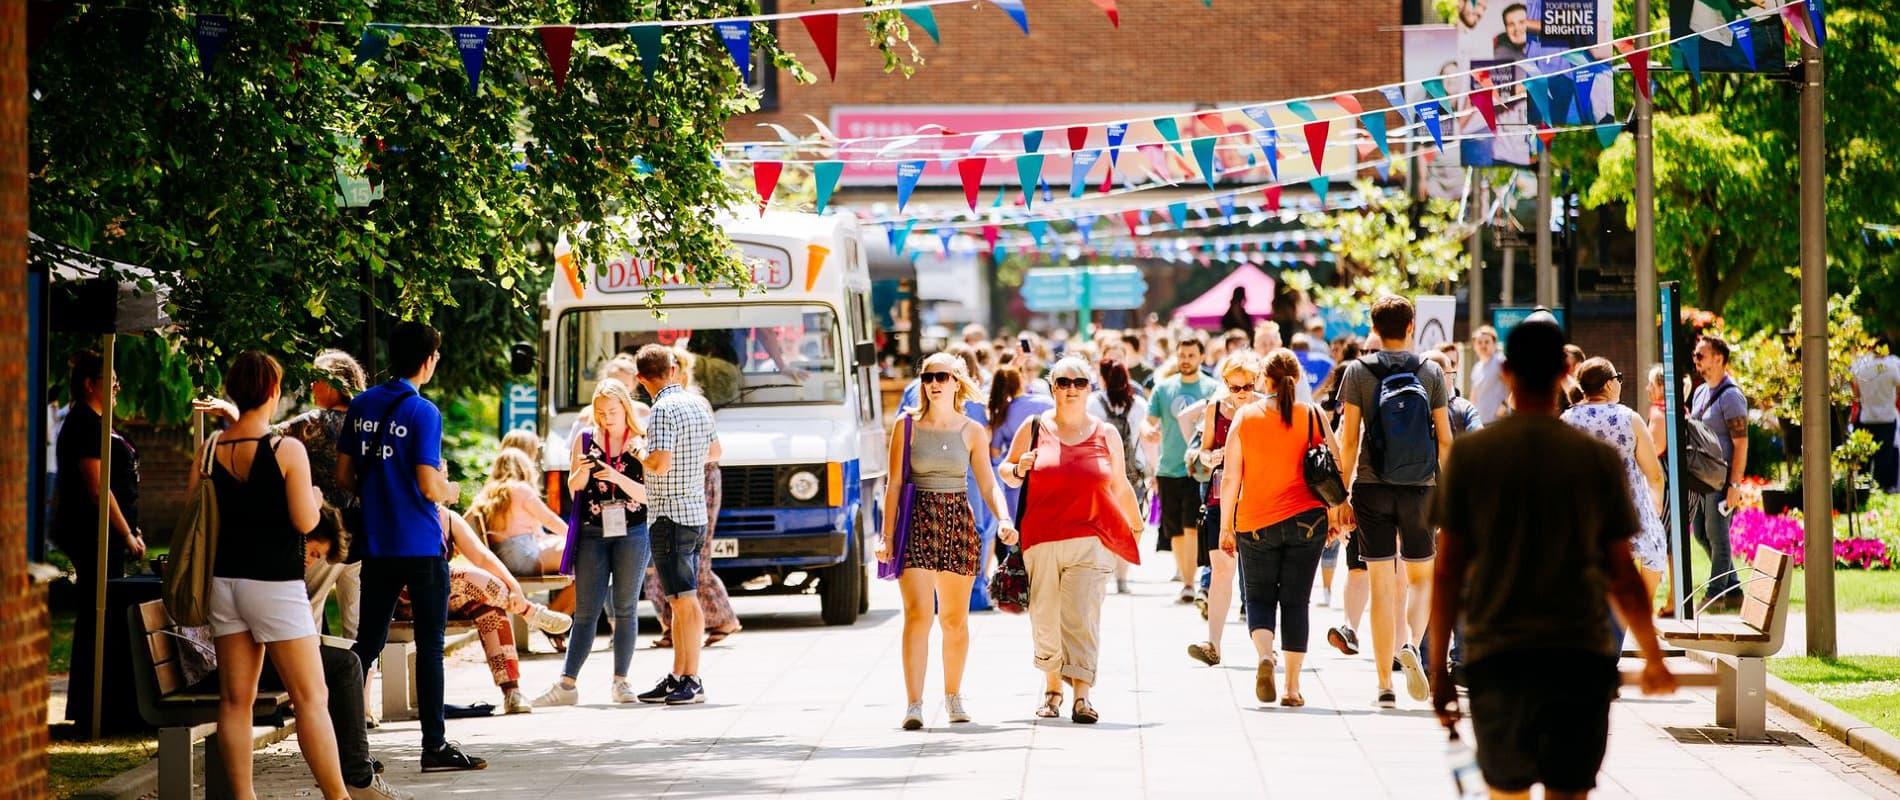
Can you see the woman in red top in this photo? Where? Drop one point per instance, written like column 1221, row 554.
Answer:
column 1282, row 527
column 1078, row 514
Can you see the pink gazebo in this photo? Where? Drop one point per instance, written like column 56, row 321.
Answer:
column 1206, row 311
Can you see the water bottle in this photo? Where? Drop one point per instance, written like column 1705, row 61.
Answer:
column 1463, row 762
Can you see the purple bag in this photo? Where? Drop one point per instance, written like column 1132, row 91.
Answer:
column 574, row 514
column 900, row 534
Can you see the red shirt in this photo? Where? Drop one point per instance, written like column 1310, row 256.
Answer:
column 1070, row 495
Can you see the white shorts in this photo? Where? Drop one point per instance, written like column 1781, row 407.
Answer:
column 273, row 611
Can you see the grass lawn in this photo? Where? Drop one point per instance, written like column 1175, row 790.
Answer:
column 1854, row 589
column 1867, row 687
column 60, row 639
column 76, row 766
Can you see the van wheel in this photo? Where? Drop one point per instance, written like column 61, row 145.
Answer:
column 841, row 592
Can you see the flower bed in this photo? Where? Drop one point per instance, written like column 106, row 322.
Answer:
column 1752, row 528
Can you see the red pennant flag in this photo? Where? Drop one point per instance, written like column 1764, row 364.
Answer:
column 1273, row 197
column 1108, row 177
column 1078, row 137
column 824, row 33
column 1624, row 46
column 1131, row 218
column 1316, row 143
column 765, row 179
column 990, row 233
column 1545, row 134
column 1639, row 70
column 1350, row 103
column 972, row 171
column 1114, row 17
column 558, row 42
column 1483, row 101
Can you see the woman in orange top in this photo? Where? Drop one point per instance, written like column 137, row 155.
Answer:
column 1282, row 526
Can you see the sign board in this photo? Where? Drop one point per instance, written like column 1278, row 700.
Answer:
column 624, row 274
column 1432, row 325
column 520, row 408
column 1102, row 289
column 1504, row 318
column 1670, row 305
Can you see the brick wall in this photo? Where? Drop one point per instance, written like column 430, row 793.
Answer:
column 164, row 469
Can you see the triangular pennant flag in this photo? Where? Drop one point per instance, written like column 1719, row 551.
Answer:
column 737, row 37
column 1131, row 219
column 1204, row 158
column 1395, row 97
column 943, row 237
column 1690, row 53
column 1177, row 213
column 1435, row 87
column 1744, row 38
column 1545, row 134
column 1272, row 195
column 1170, row 132
column 212, row 33
column 1079, row 171
column 1607, row 132
column 1028, row 172
column 1586, row 84
column 1817, row 21
column 1032, row 141
column 1302, row 109
column 765, row 179
column 1484, row 102
column 1320, row 185
column 1797, row 22
column 1374, row 124
column 472, row 40
column 1261, row 115
column 1349, row 102
column 1116, row 133
column 1538, row 88
column 1108, row 6
column 1316, row 143
column 557, row 41
column 1078, row 137
column 1428, row 114
column 372, row 44
column 990, row 235
column 1085, row 225
column 1014, row 8
column 824, row 34
column 825, row 175
column 890, row 235
column 1038, row 229
column 1563, row 99
column 1226, row 204
column 646, row 39
column 1639, row 70
column 900, row 240
column 925, row 18
column 908, row 173
column 998, row 252
column 971, row 170
column 1269, row 142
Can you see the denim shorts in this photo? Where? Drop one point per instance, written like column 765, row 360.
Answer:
column 676, row 555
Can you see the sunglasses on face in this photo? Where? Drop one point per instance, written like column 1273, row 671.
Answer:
column 1072, row 383
column 934, row 377
column 1239, row 389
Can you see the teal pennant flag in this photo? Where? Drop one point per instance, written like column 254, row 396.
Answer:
column 926, row 19
column 1204, row 157
column 825, row 174
column 1029, row 173
column 1170, row 132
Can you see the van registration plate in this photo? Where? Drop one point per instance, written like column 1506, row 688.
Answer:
column 725, row 548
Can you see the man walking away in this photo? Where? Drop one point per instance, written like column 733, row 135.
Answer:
column 391, row 455
column 1537, row 520
column 1719, row 404
column 1396, row 432
column 679, row 434
column 1876, row 375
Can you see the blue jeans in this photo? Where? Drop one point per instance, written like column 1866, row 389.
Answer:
column 427, row 579
column 1711, row 529
column 599, row 561
column 1276, row 575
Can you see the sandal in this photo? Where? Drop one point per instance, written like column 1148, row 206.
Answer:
column 558, row 641
column 1205, row 652
column 1084, row 714
column 665, row 640
column 715, row 637
column 1293, row 700
column 1051, row 705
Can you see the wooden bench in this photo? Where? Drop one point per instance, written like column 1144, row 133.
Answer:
column 531, row 585
column 183, row 718
column 1738, row 645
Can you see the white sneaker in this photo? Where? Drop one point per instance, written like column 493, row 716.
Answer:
column 1415, row 683
column 547, row 620
column 514, row 702
column 1325, row 598
column 378, row 789
column 559, row 695
column 953, row 708
column 623, row 693
column 914, row 717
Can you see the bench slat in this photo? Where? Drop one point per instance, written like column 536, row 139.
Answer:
column 1756, row 613
column 152, row 613
column 160, row 646
column 170, row 678
column 1710, row 629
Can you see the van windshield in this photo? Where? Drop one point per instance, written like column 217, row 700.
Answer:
column 745, row 355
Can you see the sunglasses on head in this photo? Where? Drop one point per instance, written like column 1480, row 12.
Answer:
column 1071, row 383
column 935, row 377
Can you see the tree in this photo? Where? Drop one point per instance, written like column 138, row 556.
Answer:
column 1390, row 244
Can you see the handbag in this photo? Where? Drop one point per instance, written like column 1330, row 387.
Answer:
column 906, row 498
column 194, row 549
column 1319, row 468
column 1009, row 587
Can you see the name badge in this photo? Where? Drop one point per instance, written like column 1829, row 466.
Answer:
column 613, row 521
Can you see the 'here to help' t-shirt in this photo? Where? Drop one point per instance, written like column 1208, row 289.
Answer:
column 398, row 521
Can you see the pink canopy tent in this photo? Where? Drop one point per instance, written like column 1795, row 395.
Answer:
column 1206, row 311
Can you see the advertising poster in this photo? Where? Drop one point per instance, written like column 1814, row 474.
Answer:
column 1497, row 32
column 1432, row 51
column 1737, row 36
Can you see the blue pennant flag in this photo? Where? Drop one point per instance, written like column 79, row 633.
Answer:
column 1014, row 8
column 1177, row 212
column 825, row 174
column 1563, row 99
column 372, row 45
column 1817, row 20
column 1226, row 203
column 646, row 40
column 943, row 237
column 1085, row 225
column 1607, row 132
column 1744, row 38
column 1396, row 97
column 1116, row 133
column 472, row 40
column 1204, row 213
column 890, row 234
column 1260, row 115
column 1079, row 171
column 212, row 33
column 1269, row 142
column 1428, row 114
column 1537, row 86
column 1204, row 157
column 901, row 240
column 1029, row 173
column 1000, row 252
column 1374, row 122
column 1320, row 184
column 738, row 39
column 925, row 18
column 1037, row 228
column 1032, row 141
column 1046, row 196
column 908, row 173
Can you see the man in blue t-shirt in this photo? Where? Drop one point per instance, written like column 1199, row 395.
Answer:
column 391, row 455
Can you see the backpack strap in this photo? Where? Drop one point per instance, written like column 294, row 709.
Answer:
column 908, row 422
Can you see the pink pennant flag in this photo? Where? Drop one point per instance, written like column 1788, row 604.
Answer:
column 1350, row 103
column 1078, row 137
column 1108, row 6
column 1108, row 177
column 1273, row 197
column 824, row 33
column 558, row 42
column 990, row 233
column 1639, row 70
column 971, row 169
column 765, row 179
column 1796, row 15
column 1485, row 103
column 1316, row 142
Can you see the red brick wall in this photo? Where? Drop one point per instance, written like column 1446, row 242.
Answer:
column 164, row 469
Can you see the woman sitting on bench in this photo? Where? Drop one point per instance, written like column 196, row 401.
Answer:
column 526, row 534
column 481, row 592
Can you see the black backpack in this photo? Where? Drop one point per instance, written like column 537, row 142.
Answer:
column 1704, row 468
column 1402, row 440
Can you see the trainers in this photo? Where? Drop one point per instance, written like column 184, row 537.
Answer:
column 1387, row 699
column 514, row 702
column 378, row 789
column 1415, row 683
column 660, row 691
column 914, row 717
column 1187, row 595
column 450, row 757
column 623, row 692
column 547, row 620
column 1325, row 598
column 559, row 695
column 953, row 708
column 1204, row 652
column 687, row 691
column 1121, row 586
column 1343, row 637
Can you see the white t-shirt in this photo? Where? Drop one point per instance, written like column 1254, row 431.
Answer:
column 1487, row 387
column 1877, row 378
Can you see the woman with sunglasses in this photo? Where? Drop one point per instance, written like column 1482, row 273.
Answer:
column 942, row 551
column 1079, row 514
column 1240, row 373
column 1619, row 426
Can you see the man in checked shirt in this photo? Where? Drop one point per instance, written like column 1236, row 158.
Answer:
column 679, row 433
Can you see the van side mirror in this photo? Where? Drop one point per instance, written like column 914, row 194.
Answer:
column 865, row 354
column 521, row 358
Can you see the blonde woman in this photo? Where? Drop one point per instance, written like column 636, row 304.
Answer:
column 714, row 604
column 609, row 544
column 942, row 552
column 1240, row 373
column 526, row 535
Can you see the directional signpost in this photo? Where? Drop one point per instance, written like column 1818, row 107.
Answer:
column 1084, row 291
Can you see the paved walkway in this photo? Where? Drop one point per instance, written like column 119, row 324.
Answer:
column 801, row 710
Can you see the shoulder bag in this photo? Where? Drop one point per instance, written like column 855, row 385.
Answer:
column 1319, row 468
column 1009, row 587
column 187, row 586
column 906, row 499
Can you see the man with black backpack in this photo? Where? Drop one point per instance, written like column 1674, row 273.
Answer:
column 1396, row 401
column 1718, row 404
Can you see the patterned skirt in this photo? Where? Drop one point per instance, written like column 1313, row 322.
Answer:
column 942, row 534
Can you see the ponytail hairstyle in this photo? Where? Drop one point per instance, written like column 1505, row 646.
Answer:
column 1005, row 384
column 1283, row 369
column 1115, row 384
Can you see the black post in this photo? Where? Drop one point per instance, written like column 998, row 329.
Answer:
column 1674, row 364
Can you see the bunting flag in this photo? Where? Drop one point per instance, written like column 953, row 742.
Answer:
column 943, row 238
column 1321, row 184
column 1395, row 97
column 472, row 40
column 1817, row 21
column 1226, row 204
column 1798, row 22
column 1350, row 103
column 1689, row 52
column 1272, row 194
column 824, row 34
column 1374, row 124
column 926, row 19
column 825, row 174
column 738, row 39
column 372, row 45
column 646, row 39
column 908, row 173
column 1177, row 213
column 1085, row 225
column 971, row 170
column 990, row 235
column 1028, row 171
column 1744, row 39
column 1132, row 218
column 1586, row 81
column 1116, row 133
column 1170, row 132
column 1607, row 132
column 998, row 253
column 1538, row 89
column 1269, row 142
column 1014, row 8
column 1108, row 7
column 765, row 179
column 1484, row 102
column 1435, row 87
column 1038, row 229
column 1079, row 170
column 1078, row 136
column 557, row 41
column 1428, row 114
column 1204, row 157
column 212, row 32
column 1563, row 99
column 1316, row 142
column 900, row 240
column 1032, row 141
column 1303, row 110
column 1639, row 70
